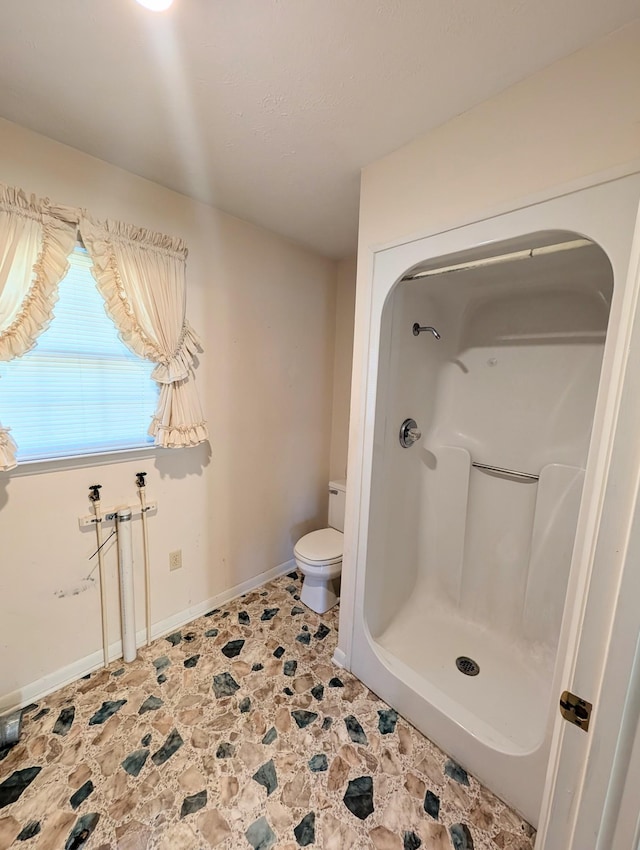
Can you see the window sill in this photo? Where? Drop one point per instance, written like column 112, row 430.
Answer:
column 39, row 467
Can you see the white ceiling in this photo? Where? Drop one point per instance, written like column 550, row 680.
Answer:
column 269, row 108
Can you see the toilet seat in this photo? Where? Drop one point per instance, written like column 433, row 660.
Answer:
column 320, row 547
column 318, row 567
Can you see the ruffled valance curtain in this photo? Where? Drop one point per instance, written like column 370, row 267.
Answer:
column 142, row 278
column 35, row 242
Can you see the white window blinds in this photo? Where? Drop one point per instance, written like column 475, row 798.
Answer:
column 80, row 390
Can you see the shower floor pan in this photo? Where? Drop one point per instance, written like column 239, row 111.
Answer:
column 506, row 705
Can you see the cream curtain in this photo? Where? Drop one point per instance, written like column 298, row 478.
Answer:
column 142, row 278
column 34, row 245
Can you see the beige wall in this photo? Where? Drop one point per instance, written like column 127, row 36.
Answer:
column 576, row 117
column 265, row 309
column 345, row 310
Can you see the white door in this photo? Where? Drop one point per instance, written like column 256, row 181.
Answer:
column 627, row 828
column 592, row 797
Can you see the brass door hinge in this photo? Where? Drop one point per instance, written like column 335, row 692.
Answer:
column 575, row 710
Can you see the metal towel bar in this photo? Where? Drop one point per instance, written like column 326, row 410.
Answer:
column 512, row 472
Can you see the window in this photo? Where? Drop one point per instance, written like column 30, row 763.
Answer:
column 80, row 390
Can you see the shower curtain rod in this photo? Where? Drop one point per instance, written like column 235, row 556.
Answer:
column 526, row 254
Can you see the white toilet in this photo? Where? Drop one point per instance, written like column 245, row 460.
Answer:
column 318, row 555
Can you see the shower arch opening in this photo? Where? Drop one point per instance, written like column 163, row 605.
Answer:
column 472, row 528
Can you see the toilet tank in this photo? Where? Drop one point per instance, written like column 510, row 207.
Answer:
column 337, row 500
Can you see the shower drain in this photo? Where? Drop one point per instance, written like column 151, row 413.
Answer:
column 467, row 666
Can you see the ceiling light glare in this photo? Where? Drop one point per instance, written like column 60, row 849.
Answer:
column 156, row 5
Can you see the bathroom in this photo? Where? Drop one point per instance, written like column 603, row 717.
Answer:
column 280, row 424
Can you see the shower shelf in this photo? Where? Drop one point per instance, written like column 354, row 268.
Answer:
column 511, row 472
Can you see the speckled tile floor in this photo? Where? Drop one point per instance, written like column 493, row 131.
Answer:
column 238, row 732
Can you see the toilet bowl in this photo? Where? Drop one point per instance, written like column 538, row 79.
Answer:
column 318, row 556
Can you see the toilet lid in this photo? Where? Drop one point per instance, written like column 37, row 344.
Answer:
column 323, row 545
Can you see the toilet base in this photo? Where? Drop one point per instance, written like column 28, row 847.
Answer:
column 320, row 594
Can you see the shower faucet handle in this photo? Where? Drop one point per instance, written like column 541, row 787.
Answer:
column 409, row 433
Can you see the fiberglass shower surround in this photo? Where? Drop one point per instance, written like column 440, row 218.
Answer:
column 504, row 402
column 490, row 358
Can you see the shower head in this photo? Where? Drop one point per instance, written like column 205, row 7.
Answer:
column 417, row 330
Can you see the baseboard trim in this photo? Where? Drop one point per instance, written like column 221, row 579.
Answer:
column 35, row 691
column 339, row 658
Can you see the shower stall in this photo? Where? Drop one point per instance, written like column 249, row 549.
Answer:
column 489, row 354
